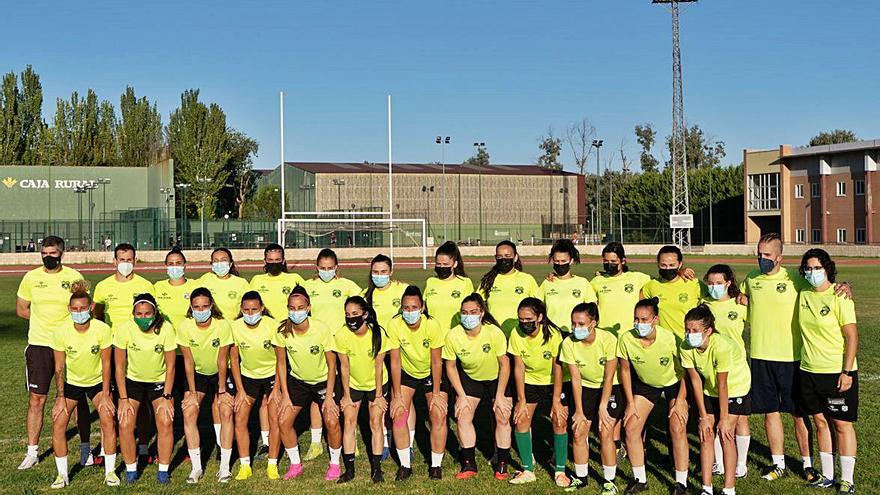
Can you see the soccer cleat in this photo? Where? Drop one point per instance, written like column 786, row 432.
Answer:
column 86, row 458
column 132, row 476
column 293, row 471
column 110, row 479
column 194, row 476
column 377, row 475
column 60, row 482
column 315, row 451
column 679, row 489
column 821, row 483
column 811, row 475
column 704, row 492
column 163, row 477
column 576, row 484
column 403, row 473
column 333, row 472
column 717, row 469
column 846, row 487
column 742, row 471
column 773, row 473
column 435, row 473
column 224, row 476
column 466, row 474
column 635, row 487
column 523, row 477
column 345, row 477
column 562, row 480
column 28, row 462
column 609, row 488
column 272, row 472
column 501, row 471
column 244, row 472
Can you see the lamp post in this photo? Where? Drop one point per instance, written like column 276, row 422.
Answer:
column 339, row 183
column 91, row 187
column 597, row 143
column 443, row 142
column 168, row 194
column 79, row 191
column 184, row 225
column 428, row 190
column 480, row 146
column 203, row 180
column 103, row 182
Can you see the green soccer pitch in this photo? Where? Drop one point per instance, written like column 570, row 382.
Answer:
column 13, row 401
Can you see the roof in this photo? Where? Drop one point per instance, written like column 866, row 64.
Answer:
column 422, row 168
column 827, row 149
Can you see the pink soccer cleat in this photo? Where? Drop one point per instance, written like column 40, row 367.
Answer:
column 333, row 472
column 293, row 471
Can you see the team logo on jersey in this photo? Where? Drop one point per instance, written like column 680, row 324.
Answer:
column 664, row 361
column 95, row 349
column 267, row 344
column 314, row 350
column 395, row 302
column 186, row 295
column 519, row 290
column 825, row 310
column 547, row 355
column 65, row 284
column 781, row 287
column 682, row 297
column 732, row 315
column 629, row 288
column 337, row 293
column 285, row 290
column 602, row 360
column 487, row 348
column 576, row 293
column 426, row 343
column 232, row 294
column 455, row 294
column 159, row 348
column 215, row 343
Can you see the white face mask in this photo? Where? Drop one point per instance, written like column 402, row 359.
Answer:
column 125, row 268
column 695, row 340
column 220, row 268
column 644, row 329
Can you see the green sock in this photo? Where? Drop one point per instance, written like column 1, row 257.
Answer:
column 524, row 444
column 560, row 449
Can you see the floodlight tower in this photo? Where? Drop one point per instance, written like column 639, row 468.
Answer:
column 681, row 233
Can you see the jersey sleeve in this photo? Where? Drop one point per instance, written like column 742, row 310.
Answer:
column 609, row 348
column 621, row 349
column 181, row 336
column 120, row 338
column 565, row 352
column 170, row 336
column 686, row 359
column 513, row 345
column 723, row 359
column 435, row 335
column 744, row 285
column 100, row 296
column 589, row 292
column 339, row 343
column 448, row 349
column 469, row 285
column 277, row 339
column 106, row 339
column 353, row 288
column 533, row 287
column 24, row 288
column 58, row 340
column 225, row 333
column 389, row 340
column 648, row 289
column 846, row 311
column 499, row 342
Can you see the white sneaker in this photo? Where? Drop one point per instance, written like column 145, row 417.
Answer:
column 717, row 469
column 60, row 482
column 28, row 462
column 194, row 476
column 223, row 476
column 742, row 471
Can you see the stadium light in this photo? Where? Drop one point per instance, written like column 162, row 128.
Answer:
column 479, row 146
column 597, row 143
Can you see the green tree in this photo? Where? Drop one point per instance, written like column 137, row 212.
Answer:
column 139, row 131
column 480, row 158
column 552, row 147
column 701, row 150
column 837, row 136
column 10, row 120
column 646, row 136
column 106, row 151
column 264, row 203
column 30, row 109
column 242, row 149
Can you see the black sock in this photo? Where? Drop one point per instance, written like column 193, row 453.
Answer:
column 375, row 462
column 348, row 462
column 617, row 444
column 504, row 455
column 468, row 456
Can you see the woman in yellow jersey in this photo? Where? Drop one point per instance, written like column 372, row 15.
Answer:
column 277, row 282
column 717, row 367
column 144, row 358
column 722, row 291
column 383, row 293
column 591, row 356
column 618, row 289
column 200, row 337
column 361, row 348
column 224, row 282
column 563, row 290
column 478, row 367
column 537, row 374
column 443, row 293
column 648, row 357
column 829, row 370
column 505, row 285
column 82, row 351
column 676, row 289
column 417, row 366
column 173, row 293
column 253, row 365
column 327, row 292
column 307, row 344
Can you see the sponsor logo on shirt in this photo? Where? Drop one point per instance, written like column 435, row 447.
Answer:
column 629, row 288
column 395, row 302
column 243, row 345
column 193, row 343
column 487, row 348
column 552, row 292
column 426, row 343
column 186, row 295
column 267, row 344
column 286, row 290
column 547, row 355
column 95, row 349
column 337, row 293
column 65, row 284
column 232, row 294
column 682, row 297
column 602, row 360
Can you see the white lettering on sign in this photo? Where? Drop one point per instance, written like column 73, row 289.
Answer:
column 10, row 182
column 34, row 184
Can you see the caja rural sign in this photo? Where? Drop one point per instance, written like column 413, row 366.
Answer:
column 10, row 183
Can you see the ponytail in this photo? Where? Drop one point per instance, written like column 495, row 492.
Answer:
column 370, row 320
column 487, row 316
column 450, row 249
column 488, row 279
column 538, row 307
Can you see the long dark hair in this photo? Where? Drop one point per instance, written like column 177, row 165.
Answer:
column 204, row 292
column 487, row 316
column 617, row 248
column 567, row 247
column 824, row 260
column 253, row 295
column 157, row 316
column 414, row 291
column 728, row 275
column 488, row 279
column 538, row 307
column 286, row 326
column 232, row 269
column 379, row 258
column 450, row 249
column 370, row 320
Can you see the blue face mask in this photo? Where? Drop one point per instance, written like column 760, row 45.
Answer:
column 717, row 291
column 202, row 316
column 411, row 317
column 580, row 333
column 470, row 322
column 765, row 265
column 80, row 317
column 252, row 319
column 297, row 317
column 327, row 275
column 380, row 280
column 220, row 268
column 816, row 277
column 174, row 272
column 644, row 329
column 695, row 340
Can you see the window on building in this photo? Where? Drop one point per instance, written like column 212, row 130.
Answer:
column 815, row 190
column 764, row 192
column 798, row 190
column 841, row 236
column 861, row 238
column 841, row 188
column 860, row 188
column 817, row 236
column 800, row 236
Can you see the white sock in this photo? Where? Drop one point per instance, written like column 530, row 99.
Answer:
column 847, row 467
column 436, row 459
column 384, row 437
column 142, row 449
column 245, row 461
column 225, row 457
column 412, row 438
column 719, row 454
column 610, row 472
column 131, row 468
column 826, row 459
column 109, row 463
column 217, row 433
column 403, row 454
column 316, row 434
column 639, row 474
column 273, row 462
column 293, row 454
column 334, row 455
column 61, row 464
column 163, row 468
column 265, row 436
column 778, row 460
column 728, row 491
column 681, row 477
column 808, row 462
column 33, row 450
column 195, row 457
column 103, row 454
column 742, row 449
column 708, row 488
column 581, row 470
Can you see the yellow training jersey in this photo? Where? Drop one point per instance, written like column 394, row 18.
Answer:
column 361, row 360
column 386, row 301
column 82, row 352
column 443, row 299
column 478, row 355
column 49, row 295
column 537, row 356
column 657, row 365
column 307, row 352
column 722, row 355
column 328, row 299
column 590, row 358
column 416, row 345
column 274, row 291
column 173, row 300
column 145, row 351
column 505, row 295
column 617, row 297
column 730, row 319
column 561, row 295
column 822, row 316
column 255, row 349
column 227, row 293
column 204, row 343
column 676, row 299
column 773, row 320
column 118, row 297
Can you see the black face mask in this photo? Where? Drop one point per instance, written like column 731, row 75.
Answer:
column 51, row 262
column 668, row 273
column 275, row 268
column 611, row 268
column 443, row 272
column 528, row 327
column 504, row 265
column 354, row 322
column 561, row 268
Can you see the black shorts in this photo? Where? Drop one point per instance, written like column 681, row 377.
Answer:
column 775, row 387
column 653, row 393
column 39, row 368
column 740, row 406
column 424, row 385
column 820, row 395
column 256, row 388
column 590, row 398
column 370, row 395
column 543, row 394
column 485, row 389
column 144, row 391
column 77, row 393
column 180, row 373
column 206, row 384
column 303, row 394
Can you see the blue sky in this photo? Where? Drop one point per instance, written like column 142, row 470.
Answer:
column 757, row 73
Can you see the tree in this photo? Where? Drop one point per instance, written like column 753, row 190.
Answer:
column 31, row 116
column 106, row 151
column 646, row 136
column 836, row 136
column 701, row 150
column 480, row 158
column 241, row 148
column 551, row 146
column 10, row 120
column 264, row 203
column 579, row 137
column 139, row 130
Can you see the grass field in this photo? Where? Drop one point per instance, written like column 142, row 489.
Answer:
column 90, row 480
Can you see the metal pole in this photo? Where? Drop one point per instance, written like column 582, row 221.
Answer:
column 445, row 204
column 390, row 188
column 598, row 197
column 424, row 247
column 91, row 221
column 281, row 125
column 202, row 220
column 712, row 208
column 611, row 203
column 621, row 225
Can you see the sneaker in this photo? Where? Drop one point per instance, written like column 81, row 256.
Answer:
column 773, row 473
column 28, row 462
column 194, row 476
column 163, row 477
column 822, row 483
column 811, row 475
column 466, row 474
column 576, row 484
column 132, row 476
column 60, row 482
column 377, row 476
column 679, row 489
column 635, row 487
column 562, row 480
column 244, row 472
column 315, row 451
column 272, row 472
column 609, row 488
column 262, row 453
column 224, row 476
column 403, row 473
column 110, row 479
column 704, row 492
column 717, row 469
column 501, row 471
column 435, row 473
column 333, row 472
column 846, row 487
column 742, row 471
column 523, row 477
column 293, row 471
column 345, row 477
